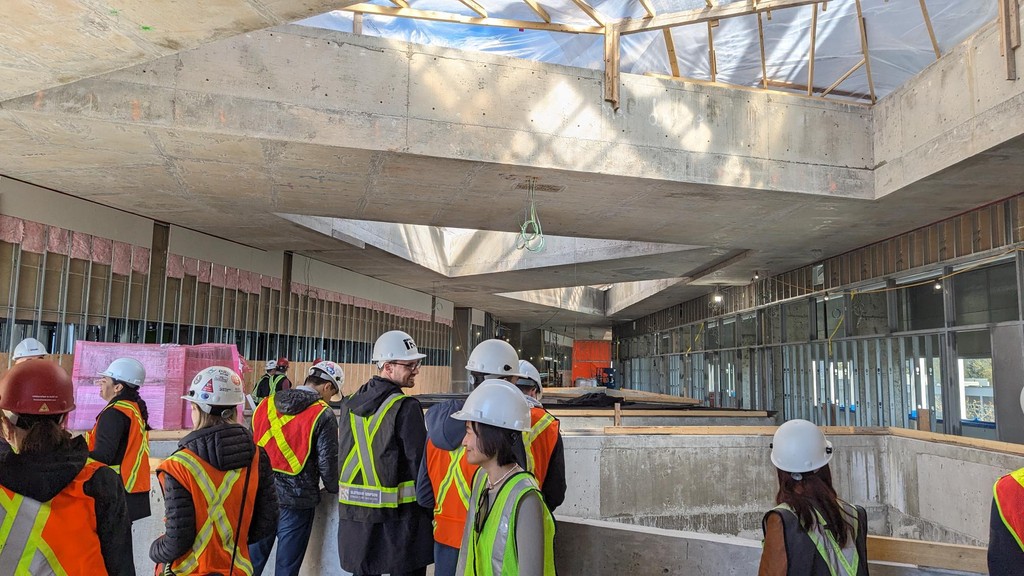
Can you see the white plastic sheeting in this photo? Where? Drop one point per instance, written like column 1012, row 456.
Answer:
column 898, row 39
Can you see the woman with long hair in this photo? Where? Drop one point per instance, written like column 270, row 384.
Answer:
column 218, row 486
column 508, row 529
column 811, row 532
column 65, row 513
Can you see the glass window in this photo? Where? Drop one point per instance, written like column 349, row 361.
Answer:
column 868, row 314
column 920, row 306
column 986, row 295
column 974, row 365
column 798, row 322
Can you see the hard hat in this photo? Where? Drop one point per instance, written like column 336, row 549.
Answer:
column 215, row 386
column 529, row 372
column 282, row 362
column 497, row 403
column 37, row 388
column 395, row 345
column 127, row 371
column 327, row 370
column 494, row 358
column 799, row 446
column 29, row 348
column 271, row 365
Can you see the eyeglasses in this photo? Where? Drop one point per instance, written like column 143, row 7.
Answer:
column 410, row 365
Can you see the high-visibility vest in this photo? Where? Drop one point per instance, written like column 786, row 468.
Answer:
column 366, row 482
column 816, row 552
column 287, row 438
column 539, row 442
column 451, row 477
column 134, row 467
column 492, row 550
column 1008, row 492
column 55, row 537
column 272, row 382
column 219, row 502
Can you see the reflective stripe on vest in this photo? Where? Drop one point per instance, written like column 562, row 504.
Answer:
column 1008, row 492
column 360, row 464
column 492, row 551
column 23, row 531
column 830, row 550
column 535, row 451
column 269, row 426
column 134, row 467
column 218, row 518
column 451, row 492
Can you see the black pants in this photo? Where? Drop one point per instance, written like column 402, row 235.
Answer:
column 416, row 572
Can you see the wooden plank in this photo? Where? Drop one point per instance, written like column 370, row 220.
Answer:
column 617, row 419
column 400, row 3
column 843, row 78
column 862, row 23
column 357, row 23
column 928, row 554
column 980, row 444
column 629, row 412
column 701, row 15
column 711, row 53
column 460, row 19
column 764, row 64
column 624, row 394
column 731, row 431
column 539, row 10
column 648, row 8
column 810, row 55
column 475, row 7
column 591, row 12
column 803, row 88
column 931, row 31
column 611, row 66
column 670, row 47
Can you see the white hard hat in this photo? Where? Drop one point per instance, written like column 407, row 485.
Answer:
column 497, row 403
column 29, row 348
column 529, row 372
column 395, row 345
column 127, row 371
column 271, row 365
column 215, row 386
column 327, row 370
column 494, row 358
column 799, row 446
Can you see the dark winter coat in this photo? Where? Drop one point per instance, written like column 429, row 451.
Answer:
column 303, row 489
column 42, row 476
column 111, row 442
column 225, row 447
column 404, row 542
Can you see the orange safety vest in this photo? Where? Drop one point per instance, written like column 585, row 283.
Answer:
column 55, row 537
column 219, row 501
column 134, row 468
column 288, row 439
column 1009, row 496
column 540, row 442
column 451, row 477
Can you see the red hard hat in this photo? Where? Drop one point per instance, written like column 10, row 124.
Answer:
column 37, row 388
column 282, row 361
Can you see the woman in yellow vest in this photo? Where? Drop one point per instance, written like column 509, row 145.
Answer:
column 120, row 437
column 1006, row 527
column 811, row 532
column 504, row 495
column 218, row 486
column 64, row 513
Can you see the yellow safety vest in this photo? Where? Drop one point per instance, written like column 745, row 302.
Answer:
column 360, row 483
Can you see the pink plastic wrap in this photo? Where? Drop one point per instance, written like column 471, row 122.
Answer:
column 169, row 371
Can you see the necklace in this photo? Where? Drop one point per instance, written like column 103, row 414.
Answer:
column 491, row 485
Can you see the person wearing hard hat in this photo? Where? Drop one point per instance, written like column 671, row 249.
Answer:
column 120, row 436
column 1006, row 527
column 65, row 513
column 508, row 529
column 218, row 486
column 445, row 476
column 544, row 451
column 29, row 349
column 811, row 531
column 381, row 529
column 299, row 431
column 273, row 381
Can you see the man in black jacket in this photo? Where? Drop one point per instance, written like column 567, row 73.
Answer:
column 290, row 426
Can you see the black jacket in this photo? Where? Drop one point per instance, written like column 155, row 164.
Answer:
column 303, row 489
column 225, row 447
column 405, row 542
column 1005, row 557
column 111, row 442
column 42, row 476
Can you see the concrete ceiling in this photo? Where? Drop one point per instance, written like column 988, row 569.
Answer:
column 167, row 139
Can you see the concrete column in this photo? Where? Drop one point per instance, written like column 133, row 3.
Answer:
column 156, row 292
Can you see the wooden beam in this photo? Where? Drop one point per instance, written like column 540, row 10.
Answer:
column 648, row 8
column 842, row 78
column 931, row 30
column 400, row 3
column 771, row 84
column 357, row 23
column 701, row 15
column 802, row 88
column 711, row 54
column 460, row 19
column 810, row 55
column 670, row 47
column 1009, row 29
column 475, row 7
column 590, row 11
column 629, row 412
column 611, row 66
column 862, row 23
column 764, row 63
column 928, row 554
column 539, row 10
